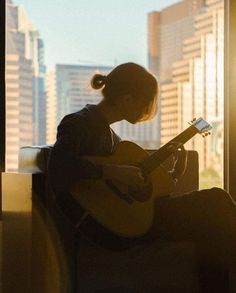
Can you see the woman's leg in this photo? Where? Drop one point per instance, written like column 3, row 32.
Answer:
column 206, row 217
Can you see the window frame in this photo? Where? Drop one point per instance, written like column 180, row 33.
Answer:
column 229, row 102
column 3, row 94
column 229, row 94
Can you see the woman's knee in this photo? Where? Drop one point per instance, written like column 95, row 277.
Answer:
column 219, row 196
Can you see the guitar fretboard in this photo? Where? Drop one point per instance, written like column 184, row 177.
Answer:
column 159, row 156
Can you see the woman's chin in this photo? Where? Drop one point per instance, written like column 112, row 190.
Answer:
column 132, row 121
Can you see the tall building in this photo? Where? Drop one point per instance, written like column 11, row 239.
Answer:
column 144, row 134
column 68, row 90
column 34, row 51
column 19, row 76
column 51, row 107
column 25, row 89
column 167, row 29
column 197, row 84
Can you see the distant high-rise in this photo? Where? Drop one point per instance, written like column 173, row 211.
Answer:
column 167, row 30
column 196, row 87
column 68, row 90
column 19, row 76
column 51, row 107
column 25, row 89
column 34, row 51
column 144, row 134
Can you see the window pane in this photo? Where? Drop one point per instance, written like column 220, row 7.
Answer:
column 53, row 51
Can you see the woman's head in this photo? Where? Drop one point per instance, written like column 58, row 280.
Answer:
column 133, row 84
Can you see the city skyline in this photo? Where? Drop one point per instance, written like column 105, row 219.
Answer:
column 193, row 27
column 119, row 34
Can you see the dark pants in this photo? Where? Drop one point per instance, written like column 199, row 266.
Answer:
column 208, row 218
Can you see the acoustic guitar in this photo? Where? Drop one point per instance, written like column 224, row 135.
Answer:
column 129, row 213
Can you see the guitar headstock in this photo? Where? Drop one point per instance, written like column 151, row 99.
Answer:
column 202, row 126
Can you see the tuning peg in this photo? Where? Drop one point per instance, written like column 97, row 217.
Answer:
column 206, row 133
column 192, row 121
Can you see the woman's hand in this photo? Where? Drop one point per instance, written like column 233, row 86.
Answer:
column 129, row 175
column 180, row 163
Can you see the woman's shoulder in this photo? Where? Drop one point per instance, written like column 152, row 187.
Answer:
column 76, row 119
column 87, row 121
column 72, row 130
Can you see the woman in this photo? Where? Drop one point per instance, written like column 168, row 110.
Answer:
column 207, row 217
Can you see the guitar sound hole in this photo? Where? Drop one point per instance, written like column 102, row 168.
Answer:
column 143, row 194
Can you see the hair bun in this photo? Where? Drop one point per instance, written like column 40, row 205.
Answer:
column 98, row 81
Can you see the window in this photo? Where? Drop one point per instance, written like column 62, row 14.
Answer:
column 182, row 43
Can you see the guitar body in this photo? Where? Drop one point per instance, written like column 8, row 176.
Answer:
column 126, row 213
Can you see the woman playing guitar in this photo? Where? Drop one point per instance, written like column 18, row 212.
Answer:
column 206, row 217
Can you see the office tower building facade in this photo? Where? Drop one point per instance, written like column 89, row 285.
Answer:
column 19, row 76
column 196, row 88
column 34, row 51
column 51, row 107
column 167, row 29
column 144, row 134
column 25, row 88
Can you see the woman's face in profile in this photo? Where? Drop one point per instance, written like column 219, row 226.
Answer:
column 135, row 107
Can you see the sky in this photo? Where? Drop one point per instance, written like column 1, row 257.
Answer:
column 104, row 32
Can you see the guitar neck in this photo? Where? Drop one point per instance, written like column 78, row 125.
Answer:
column 158, row 157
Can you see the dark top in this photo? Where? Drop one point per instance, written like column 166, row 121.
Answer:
column 79, row 134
